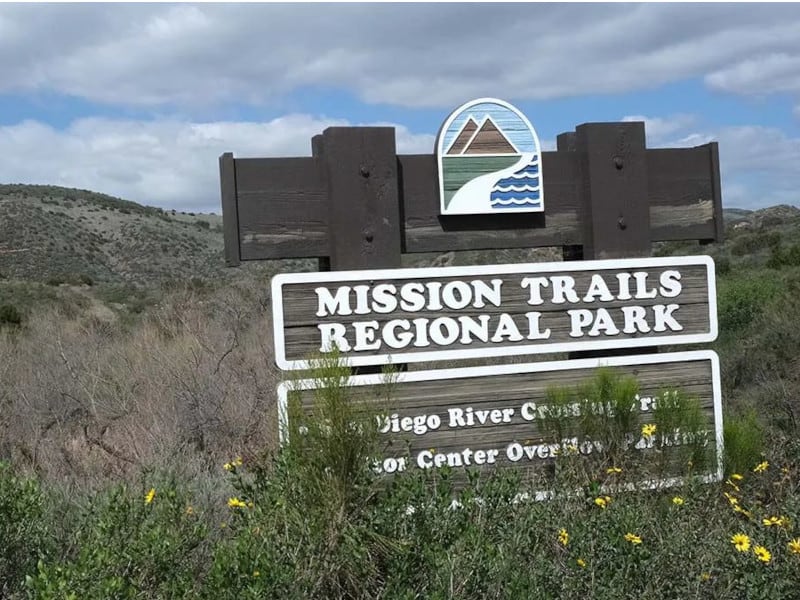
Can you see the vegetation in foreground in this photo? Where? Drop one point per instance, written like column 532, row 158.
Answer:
column 121, row 406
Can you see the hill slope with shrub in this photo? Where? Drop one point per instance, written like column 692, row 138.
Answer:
column 138, row 429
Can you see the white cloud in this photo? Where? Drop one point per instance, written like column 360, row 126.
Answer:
column 413, row 55
column 168, row 163
column 761, row 75
column 658, row 129
column 758, row 164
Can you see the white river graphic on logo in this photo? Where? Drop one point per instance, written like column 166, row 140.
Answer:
column 489, row 161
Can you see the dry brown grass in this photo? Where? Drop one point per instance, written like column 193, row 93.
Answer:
column 185, row 389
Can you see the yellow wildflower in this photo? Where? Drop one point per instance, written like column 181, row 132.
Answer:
column 613, row 470
column 633, row 538
column 705, row 576
column 794, row 546
column 235, row 503
column 648, row 430
column 228, row 467
column 741, row 542
column 581, row 563
column 677, row 501
column 601, row 502
column 238, row 461
column 762, row 554
column 733, row 485
column 732, row 499
column 761, row 467
column 770, row 521
column 563, row 537
column 739, row 509
column 148, row 498
column 256, row 573
column 736, row 477
column 189, row 510
column 572, row 449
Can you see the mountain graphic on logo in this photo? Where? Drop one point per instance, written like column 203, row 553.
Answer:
column 489, row 161
column 488, row 139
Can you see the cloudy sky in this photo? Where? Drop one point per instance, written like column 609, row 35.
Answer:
column 139, row 101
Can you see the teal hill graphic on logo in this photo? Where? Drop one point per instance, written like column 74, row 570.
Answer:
column 489, row 161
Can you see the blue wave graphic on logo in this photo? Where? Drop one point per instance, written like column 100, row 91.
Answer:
column 521, row 189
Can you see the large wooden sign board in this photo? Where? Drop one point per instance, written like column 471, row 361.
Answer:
column 358, row 206
column 491, row 417
column 410, row 315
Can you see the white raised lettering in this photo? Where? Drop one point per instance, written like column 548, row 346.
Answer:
column 579, row 318
column 534, row 332
column 483, row 292
column 384, row 299
column 365, row 336
column 464, row 295
column 663, row 318
column 536, row 284
column 635, row 319
column 564, row 288
column 328, row 304
column 598, row 287
column 506, row 328
column 670, row 284
column 333, row 335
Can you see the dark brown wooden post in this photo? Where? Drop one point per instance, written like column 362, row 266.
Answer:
column 615, row 213
column 230, row 224
column 360, row 170
column 613, row 171
column 359, row 167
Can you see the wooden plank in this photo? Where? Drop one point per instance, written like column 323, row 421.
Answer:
column 363, row 202
column 613, row 170
column 282, row 208
column 681, row 193
column 230, row 217
column 413, row 315
column 719, row 221
column 498, row 410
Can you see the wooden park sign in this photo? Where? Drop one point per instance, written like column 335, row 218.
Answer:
column 411, row 315
column 357, row 204
column 496, row 416
column 602, row 196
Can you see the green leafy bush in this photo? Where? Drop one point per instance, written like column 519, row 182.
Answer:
column 128, row 545
column 24, row 529
column 10, row 315
column 742, row 299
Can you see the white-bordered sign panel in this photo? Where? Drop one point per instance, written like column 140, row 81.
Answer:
column 398, row 316
column 496, row 416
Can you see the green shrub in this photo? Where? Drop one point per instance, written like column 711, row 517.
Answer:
column 24, row 529
column 144, row 544
column 10, row 315
column 744, row 441
column 741, row 299
column 782, row 256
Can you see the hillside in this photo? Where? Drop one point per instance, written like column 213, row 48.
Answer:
column 139, row 422
column 53, row 235
column 49, row 233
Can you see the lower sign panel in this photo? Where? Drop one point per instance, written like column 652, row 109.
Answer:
column 653, row 418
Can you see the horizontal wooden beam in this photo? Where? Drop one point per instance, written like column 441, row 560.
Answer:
column 281, row 208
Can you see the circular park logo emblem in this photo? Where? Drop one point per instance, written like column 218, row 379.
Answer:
column 489, row 161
